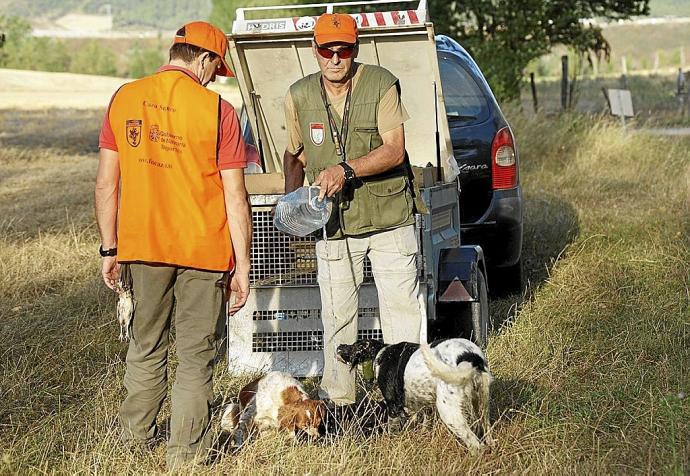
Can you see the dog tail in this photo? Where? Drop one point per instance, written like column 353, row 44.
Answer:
column 231, row 417
column 468, row 364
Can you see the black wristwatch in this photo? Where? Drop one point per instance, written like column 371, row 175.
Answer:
column 104, row 253
column 349, row 172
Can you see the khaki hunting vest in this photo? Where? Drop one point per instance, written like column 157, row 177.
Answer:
column 381, row 202
column 172, row 206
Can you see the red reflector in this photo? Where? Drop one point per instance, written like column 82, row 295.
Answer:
column 504, row 162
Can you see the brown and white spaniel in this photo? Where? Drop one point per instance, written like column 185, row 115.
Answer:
column 276, row 400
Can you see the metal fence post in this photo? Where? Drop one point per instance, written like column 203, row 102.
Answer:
column 535, row 102
column 564, row 82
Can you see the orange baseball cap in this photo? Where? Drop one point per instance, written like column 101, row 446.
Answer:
column 335, row 28
column 206, row 36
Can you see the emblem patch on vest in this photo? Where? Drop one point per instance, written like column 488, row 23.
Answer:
column 153, row 133
column 133, row 132
column 316, row 132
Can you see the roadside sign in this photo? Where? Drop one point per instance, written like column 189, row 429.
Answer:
column 620, row 101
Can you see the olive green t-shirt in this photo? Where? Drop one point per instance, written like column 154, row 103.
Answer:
column 391, row 113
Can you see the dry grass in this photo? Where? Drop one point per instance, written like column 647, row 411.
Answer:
column 589, row 363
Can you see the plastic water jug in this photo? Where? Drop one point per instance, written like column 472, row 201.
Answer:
column 301, row 212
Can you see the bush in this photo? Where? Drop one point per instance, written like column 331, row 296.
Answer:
column 144, row 61
column 23, row 51
column 94, row 59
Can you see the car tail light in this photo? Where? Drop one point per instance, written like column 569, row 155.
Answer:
column 504, row 161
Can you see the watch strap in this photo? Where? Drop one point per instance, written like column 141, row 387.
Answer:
column 349, row 171
column 108, row 252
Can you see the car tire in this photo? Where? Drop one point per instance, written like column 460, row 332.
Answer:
column 480, row 313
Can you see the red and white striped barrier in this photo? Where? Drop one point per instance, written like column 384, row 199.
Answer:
column 306, row 23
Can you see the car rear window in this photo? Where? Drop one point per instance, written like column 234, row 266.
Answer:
column 466, row 103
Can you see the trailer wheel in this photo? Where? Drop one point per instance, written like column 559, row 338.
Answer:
column 480, row 313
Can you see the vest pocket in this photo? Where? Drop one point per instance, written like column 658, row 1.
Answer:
column 367, row 129
column 369, row 136
column 390, row 203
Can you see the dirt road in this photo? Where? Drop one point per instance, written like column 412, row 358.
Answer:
column 32, row 90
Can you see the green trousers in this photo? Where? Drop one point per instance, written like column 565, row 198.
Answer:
column 198, row 300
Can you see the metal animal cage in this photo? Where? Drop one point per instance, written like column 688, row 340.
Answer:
column 280, row 326
column 279, row 259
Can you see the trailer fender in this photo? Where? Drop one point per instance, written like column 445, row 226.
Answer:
column 458, row 274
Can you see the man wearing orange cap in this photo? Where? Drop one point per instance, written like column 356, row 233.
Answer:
column 175, row 225
column 345, row 130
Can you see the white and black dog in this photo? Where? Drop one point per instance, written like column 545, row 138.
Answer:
column 452, row 374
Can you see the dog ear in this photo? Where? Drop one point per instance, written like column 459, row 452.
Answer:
column 370, row 349
column 287, row 417
column 291, row 394
column 359, row 353
column 248, row 392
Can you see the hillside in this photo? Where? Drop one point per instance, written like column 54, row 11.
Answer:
column 168, row 14
column 659, row 47
column 127, row 14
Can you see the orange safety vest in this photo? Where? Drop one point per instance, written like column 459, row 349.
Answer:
column 172, row 206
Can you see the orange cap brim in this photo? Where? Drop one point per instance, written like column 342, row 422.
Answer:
column 224, row 69
column 326, row 38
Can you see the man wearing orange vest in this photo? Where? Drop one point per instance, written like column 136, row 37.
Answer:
column 172, row 211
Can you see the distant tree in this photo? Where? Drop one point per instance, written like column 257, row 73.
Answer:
column 505, row 35
column 38, row 8
column 160, row 14
column 144, row 61
column 44, row 54
column 23, row 51
column 16, row 31
column 92, row 58
column 223, row 11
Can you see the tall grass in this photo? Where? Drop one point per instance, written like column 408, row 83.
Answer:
column 591, row 362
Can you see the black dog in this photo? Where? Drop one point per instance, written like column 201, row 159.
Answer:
column 389, row 368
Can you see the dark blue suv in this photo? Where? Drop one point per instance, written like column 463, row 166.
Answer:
column 487, row 155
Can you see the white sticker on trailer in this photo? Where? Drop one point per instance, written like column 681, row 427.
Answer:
column 272, row 26
column 305, row 23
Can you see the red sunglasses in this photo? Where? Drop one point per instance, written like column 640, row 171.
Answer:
column 344, row 53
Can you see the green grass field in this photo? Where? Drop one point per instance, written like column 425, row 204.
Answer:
column 592, row 362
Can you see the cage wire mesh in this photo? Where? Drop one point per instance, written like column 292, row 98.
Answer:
column 307, row 339
column 281, row 259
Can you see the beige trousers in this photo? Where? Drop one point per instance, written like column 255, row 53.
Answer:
column 340, row 274
column 198, row 300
